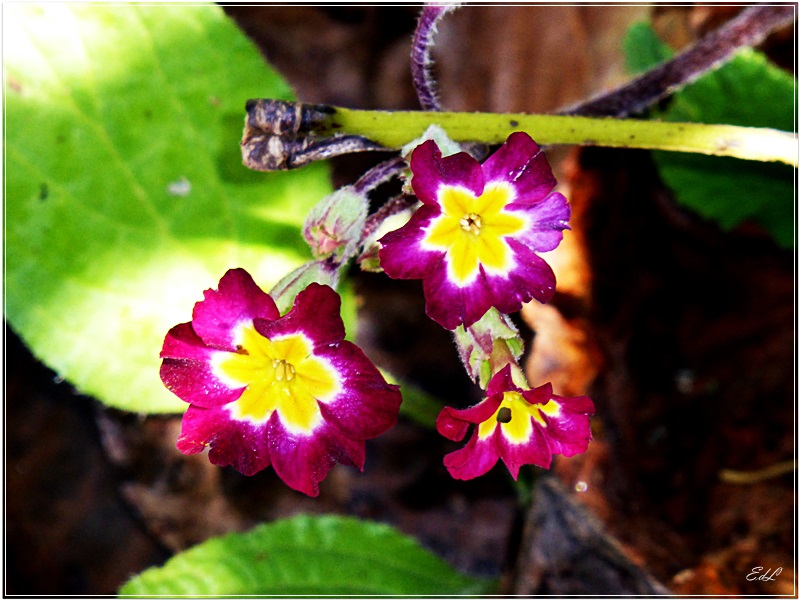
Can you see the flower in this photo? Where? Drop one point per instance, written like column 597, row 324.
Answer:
column 519, row 426
column 474, row 240
column 269, row 390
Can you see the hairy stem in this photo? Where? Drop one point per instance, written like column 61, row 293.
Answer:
column 421, row 56
column 391, row 207
column 380, row 173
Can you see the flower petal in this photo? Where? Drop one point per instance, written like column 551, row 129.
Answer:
column 181, row 342
column 451, row 305
column 535, row 451
column 463, row 261
column 315, row 313
column 569, row 431
column 444, row 301
column 431, row 171
column 239, row 444
column 402, row 255
column 475, row 459
column 454, row 423
column 367, row 406
column 501, row 382
column 521, row 163
column 548, row 218
column 186, row 370
column 302, row 462
column 531, row 277
column 237, row 300
column 540, row 395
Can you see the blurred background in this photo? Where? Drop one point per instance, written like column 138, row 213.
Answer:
column 682, row 334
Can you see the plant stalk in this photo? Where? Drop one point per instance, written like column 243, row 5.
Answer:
column 394, row 129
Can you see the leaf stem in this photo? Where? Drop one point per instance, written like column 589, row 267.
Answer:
column 393, row 129
column 418, row 405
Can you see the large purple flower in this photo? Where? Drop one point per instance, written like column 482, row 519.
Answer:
column 269, row 390
column 474, row 240
column 518, row 426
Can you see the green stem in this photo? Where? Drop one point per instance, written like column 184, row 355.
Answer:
column 396, row 128
column 417, row 405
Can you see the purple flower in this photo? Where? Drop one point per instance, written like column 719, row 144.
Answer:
column 269, row 390
column 518, row 426
column 474, row 240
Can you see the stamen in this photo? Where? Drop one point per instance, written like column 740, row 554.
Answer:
column 471, row 222
column 283, row 370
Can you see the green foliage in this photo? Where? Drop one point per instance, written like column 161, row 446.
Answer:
column 643, row 49
column 307, row 555
column 747, row 91
column 126, row 196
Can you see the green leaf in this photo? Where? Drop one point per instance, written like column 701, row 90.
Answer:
column 643, row 49
column 747, row 91
column 729, row 191
column 126, row 195
column 307, row 555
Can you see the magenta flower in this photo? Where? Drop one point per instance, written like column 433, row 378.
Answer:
column 474, row 240
column 518, row 426
column 269, row 390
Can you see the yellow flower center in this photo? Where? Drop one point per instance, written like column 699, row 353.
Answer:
column 283, row 370
column 281, row 374
column 472, row 231
column 514, row 417
column 471, row 223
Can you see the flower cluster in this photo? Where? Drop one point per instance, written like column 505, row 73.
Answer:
column 288, row 390
column 474, row 244
column 266, row 389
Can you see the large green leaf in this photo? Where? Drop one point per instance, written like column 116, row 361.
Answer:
column 126, row 196
column 749, row 91
column 307, row 555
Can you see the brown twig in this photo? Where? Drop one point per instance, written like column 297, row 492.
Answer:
column 281, row 135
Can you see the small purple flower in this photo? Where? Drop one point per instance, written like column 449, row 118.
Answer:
column 269, row 390
column 520, row 427
column 474, row 240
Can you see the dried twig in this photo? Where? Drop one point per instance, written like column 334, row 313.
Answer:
column 282, row 135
